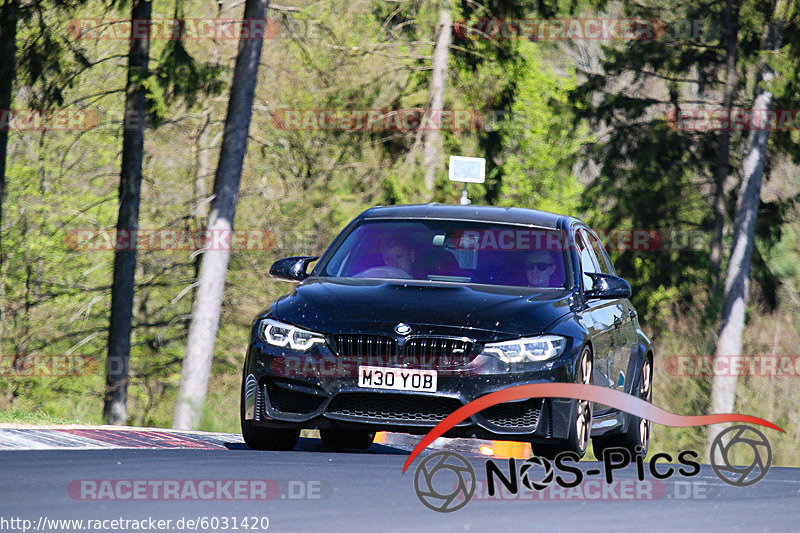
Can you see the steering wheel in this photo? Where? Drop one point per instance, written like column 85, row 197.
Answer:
column 384, row 272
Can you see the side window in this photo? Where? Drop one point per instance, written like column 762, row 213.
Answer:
column 588, row 259
column 606, row 267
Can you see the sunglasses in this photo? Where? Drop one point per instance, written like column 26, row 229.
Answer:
column 541, row 266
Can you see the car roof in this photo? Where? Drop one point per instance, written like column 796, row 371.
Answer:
column 479, row 213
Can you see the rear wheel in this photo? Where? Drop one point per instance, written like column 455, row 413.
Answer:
column 581, row 427
column 637, row 439
column 357, row 440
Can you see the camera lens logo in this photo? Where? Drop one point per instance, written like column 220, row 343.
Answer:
column 741, row 476
column 454, row 486
column 546, row 479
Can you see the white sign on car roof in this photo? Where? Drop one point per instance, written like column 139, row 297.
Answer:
column 467, row 169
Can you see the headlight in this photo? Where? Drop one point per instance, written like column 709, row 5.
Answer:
column 527, row 349
column 281, row 335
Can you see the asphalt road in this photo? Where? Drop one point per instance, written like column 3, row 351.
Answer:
column 366, row 492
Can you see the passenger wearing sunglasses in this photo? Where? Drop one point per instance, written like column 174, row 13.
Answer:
column 539, row 267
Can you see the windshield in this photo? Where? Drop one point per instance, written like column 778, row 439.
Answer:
column 455, row 251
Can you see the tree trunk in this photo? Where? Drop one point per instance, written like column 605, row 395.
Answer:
column 723, row 151
column 8, row 51
column 202, row 163
column 432, row 148
column 130, row 182
column 203, row 166
column 729, row 344
column 207, row 305
column 203, row 170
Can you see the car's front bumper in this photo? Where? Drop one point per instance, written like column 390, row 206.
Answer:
column 319, row 391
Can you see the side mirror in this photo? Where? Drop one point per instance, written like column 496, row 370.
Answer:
column 291, row 268
column 608, row 287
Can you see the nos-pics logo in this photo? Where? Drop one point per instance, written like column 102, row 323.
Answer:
column 445, row 481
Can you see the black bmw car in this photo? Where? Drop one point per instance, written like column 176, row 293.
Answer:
column 415, row 310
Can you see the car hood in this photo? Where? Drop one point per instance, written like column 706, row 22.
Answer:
column 485, row 313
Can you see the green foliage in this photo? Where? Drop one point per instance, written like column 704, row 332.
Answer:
column 47, row 56
column 783, row 259
column 541, row 140
column 18, row 416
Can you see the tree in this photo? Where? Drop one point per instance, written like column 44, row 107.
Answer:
column 9, row 12
column 148, row 94
column 651, row 176
column 540, row 142
column 8, row 50
column 432, row 150
column 41, row 60
column 488, row 70
column 731, row 15
column 729, row 344
column 196, row 367
column 130, row 183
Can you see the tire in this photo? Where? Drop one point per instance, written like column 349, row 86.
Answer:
column 638, row 433
column 275, row 439
column 580, row 430
column 337, row 439
column 264, row 438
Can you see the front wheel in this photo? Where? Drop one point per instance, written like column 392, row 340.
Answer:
column 275, row 439
column 637, row 439
column 580, row 430
column 264, row 438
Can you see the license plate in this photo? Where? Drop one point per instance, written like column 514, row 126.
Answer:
column 378, row 377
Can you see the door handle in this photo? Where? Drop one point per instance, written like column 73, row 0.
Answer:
column 617, row 322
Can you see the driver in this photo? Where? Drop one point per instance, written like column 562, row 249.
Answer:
column 539, row 266
column 398, row 254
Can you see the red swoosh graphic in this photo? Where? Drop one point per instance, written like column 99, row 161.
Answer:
column 577, row 391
